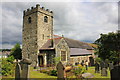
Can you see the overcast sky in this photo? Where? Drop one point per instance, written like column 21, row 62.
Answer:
column 80, row 20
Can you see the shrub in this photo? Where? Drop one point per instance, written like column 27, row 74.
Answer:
column 79, row 70
column 7, row 67
column 53, row 72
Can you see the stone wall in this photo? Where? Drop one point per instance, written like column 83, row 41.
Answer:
column 62, row 46
column 36, row 33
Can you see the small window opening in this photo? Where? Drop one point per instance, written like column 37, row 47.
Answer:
column 46, row 19
column 42, row 36
column 29, row 20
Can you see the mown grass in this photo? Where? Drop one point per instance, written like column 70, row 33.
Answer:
column 97, row 75
column 36, row 74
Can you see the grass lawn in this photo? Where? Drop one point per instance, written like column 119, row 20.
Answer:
column 37, row 74
column 97, row 75
column 34, row 74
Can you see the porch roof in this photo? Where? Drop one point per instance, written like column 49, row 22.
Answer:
column 79, row 51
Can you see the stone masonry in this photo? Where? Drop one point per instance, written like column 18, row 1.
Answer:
column 36, row 31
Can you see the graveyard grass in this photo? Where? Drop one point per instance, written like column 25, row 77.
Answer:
column 37, row 74
column 97, row 75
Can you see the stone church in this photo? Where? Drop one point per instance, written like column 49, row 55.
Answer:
column 42, row 46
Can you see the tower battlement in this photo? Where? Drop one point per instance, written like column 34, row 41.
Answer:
column 37, row 9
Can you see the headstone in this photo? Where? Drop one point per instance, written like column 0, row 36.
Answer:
column 60, row 70
column 25, row 68
column 111, row 66
column 102, row 65
column 17, row 71
column 115, row 73
column 97, row 67
column 104, row 72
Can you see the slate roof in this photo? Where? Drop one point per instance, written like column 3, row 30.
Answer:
column 77, row 44
column 48, row 44
column 79, row 52
column 71, row 43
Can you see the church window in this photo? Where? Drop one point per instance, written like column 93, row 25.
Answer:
column 45, row 19
column 63, row 55
column 42, row 36
column 29, row 20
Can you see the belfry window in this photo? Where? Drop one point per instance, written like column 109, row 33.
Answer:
column 45, row 19
column 29, row 20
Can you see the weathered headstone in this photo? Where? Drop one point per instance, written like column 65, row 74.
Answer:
column 60, row 70
column 17, row 71
column 111, row 66
column 115, row 72
column 102, row 65
column 104, row 72
column 97, row 67
column 25, row 68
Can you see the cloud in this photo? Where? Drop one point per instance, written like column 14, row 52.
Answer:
column 77, row 20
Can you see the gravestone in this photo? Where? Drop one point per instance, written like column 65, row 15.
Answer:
column 104, row 72
column 97, row 67
column 60, row 69
column 111, row 66
column 102, row 65
column 17, row 71
column 25, row 68
column 115, row 72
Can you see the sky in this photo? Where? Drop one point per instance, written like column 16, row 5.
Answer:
column 82, row 20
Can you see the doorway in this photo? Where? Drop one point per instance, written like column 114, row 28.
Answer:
column 40, row 61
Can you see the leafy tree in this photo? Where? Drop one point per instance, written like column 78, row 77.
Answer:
column 16, row 51
column 109, row 46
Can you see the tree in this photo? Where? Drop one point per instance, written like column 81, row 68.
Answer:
column 16, row 52
column 109, row 46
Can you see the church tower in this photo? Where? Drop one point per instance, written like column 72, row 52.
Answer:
column 37, row 29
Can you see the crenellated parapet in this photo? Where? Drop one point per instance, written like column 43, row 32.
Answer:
column 39, row 9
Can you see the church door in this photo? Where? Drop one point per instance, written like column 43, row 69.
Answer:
column 40, row 61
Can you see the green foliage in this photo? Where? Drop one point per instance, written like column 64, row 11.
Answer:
column 53, row 72
column 79, row 70
column 7, row 67
column 98, row 60
column 16, row 52
column 108, row 46
column 10, row 59
column 56, row 59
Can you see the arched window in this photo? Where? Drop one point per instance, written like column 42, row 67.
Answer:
column 29, row 20
column 45, row 19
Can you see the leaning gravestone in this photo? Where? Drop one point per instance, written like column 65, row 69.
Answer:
column 25, row 68
column 60, row 69
column 17, row 71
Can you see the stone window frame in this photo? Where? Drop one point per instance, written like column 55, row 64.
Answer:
column 63, row 56
column 46, row 19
